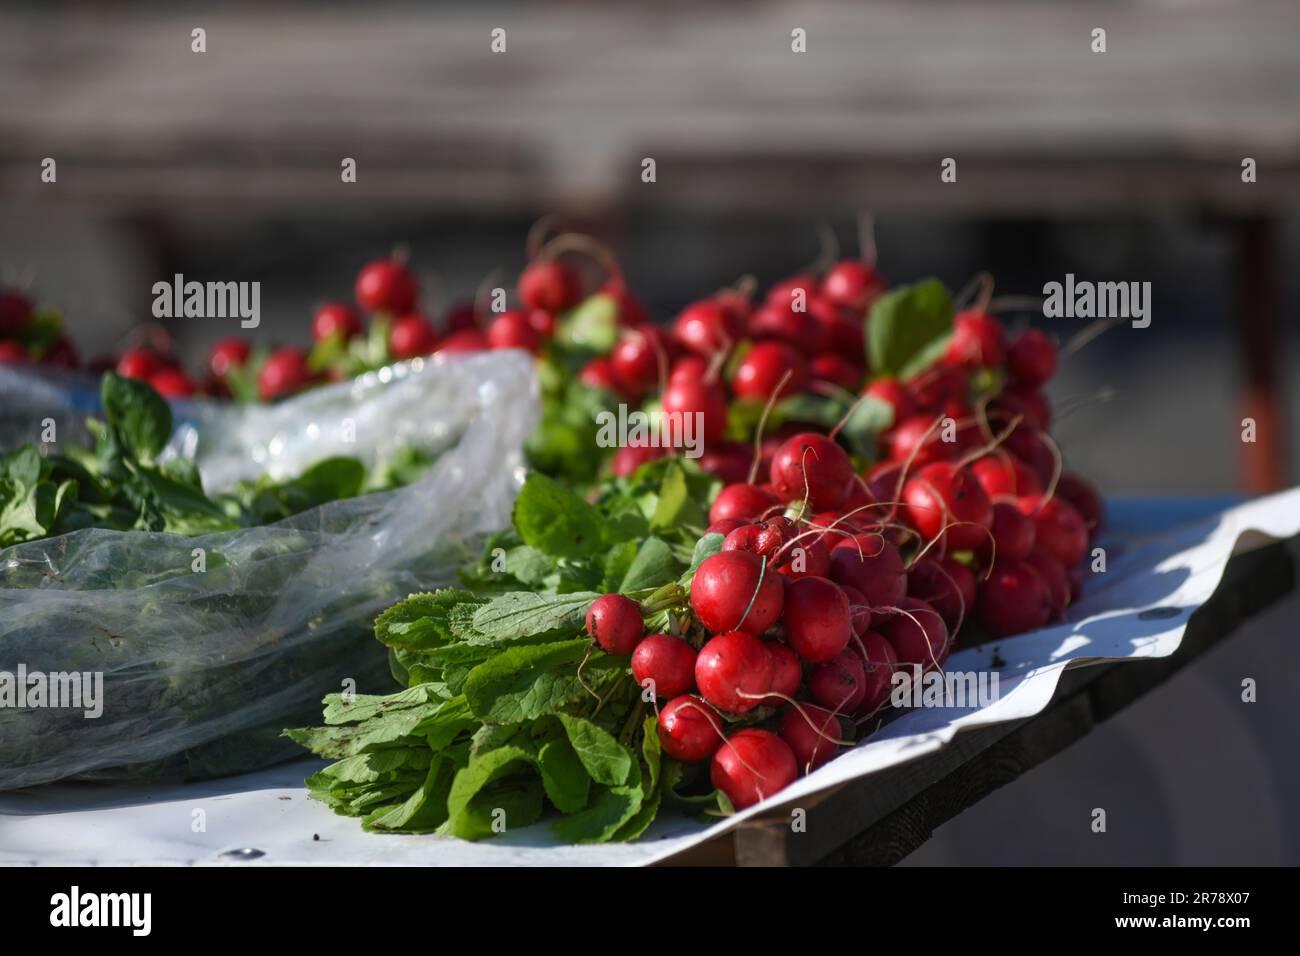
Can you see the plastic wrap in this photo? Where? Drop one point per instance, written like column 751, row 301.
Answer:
column 202, row 669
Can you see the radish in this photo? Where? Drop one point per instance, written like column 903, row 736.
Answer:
column 1056, row 582
column 839, row 683
column 599, row 373
column 728, row 460
column 667, row 661
column 976, row 342
column 172, row 383
column 799, row 330
column 734, row 671
column 787, row 674
column 12, row 353
column 917, row 633
column 852, row 285
column 61, row 354
column 640, row 359
column 836, row 370
column 335, row 318
column 816, row 619
column 283, row 373
column 887, row 389
column 843, row 329
column 386, row 285
column 859, row 610
column 812, row 733
column 1029, row 445
column 944, row 501
column 412, row 336
column 808, row 557
column 744, row 501
column 1085, row 498
column 1031, row 358
column 227, row 354
column 752, row 765
column 513, row 330
column 548, row 283
column 631, row 313
column 878, row 665
column 812, row 465
column 1029, row 403
column 782, row 293
column 760, row 372
column 946, row 585
column 918, row 439
column 937, row 386
column 615, row 623
column 1013, row 600
column 1001, row 475
column 138, row 364
column 689, row 398
column 1058, row 529
column 725, row 526
column 629, row 458
column 733, row 590
column 1013, row 534
column 689, row 368
column 15, row 310
column 706, row 327
column 689, row 729
column 466, row 340
column 873, row 566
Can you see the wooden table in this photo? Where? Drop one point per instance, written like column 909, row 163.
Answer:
column 879, row 820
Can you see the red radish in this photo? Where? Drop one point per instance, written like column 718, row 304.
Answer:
column 745, row 501
column 1013, row 600
column 172, row 383
column 725, row 526
column 615, row 623
column 764, row 538
column 631, row 313
column 15, row 310
column 733, row 590
column 760, row 372
column 1085, row 498
column 283, row 373
column 751, row 766
column 728, row 460
column 542, row 322
column 463, row 315
column 11, row 353
column 513, row 330
column 1002, row 475
column 946, row 585
column 1013, row 534
column 1058, row 529
column 859, row 610
column 816, row 618
column 138, row 364
column 917, row 633
column 807, row 557
column 813, row 465
column 1056, row 581
column 227, row 354
column 689, row 729
column 839, row 683
column 706, row 327
column 945, row 500
column 744, row 538
column 61, row 354
column 878, row 665
column 733, row 671
column 787, row 674
column 889, row 390
column 843, row 329
column 386, row 285
column 939, row 385
column 1075, row 577
column 799, row 330
column 1029, row 403
column 918, row 439
column 667, row 661
column 976, row 341
column 783, row 293
column 629, row 458
column 412, row 336
column 852, row 285
column 1029, row 445
column 549, row 284
column 639, row 359
column 1031, row 358
column 836, row 370
column 335, row 318
column 699, row 397
column 689, row 368
column 599, row 373
column 812, row 733
column 882, row 482
column 465, row 340
column 873, row 566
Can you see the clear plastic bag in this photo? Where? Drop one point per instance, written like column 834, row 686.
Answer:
column 202, row 670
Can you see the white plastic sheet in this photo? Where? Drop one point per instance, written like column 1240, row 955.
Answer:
column 1174, row 569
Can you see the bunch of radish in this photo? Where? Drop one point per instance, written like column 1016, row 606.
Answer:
column 31, row 336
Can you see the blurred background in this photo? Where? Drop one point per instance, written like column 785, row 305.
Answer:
column 1115, row 166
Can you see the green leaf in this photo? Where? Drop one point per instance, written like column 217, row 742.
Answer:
column 597, row 824
column 618, row 560
column 521, row 614
column 676, row 505
column 523, row 683
column 428, row 620
column 564, row 778
column 556, row 521
column 705, row 548
column 654, row 566
column 499, row 782
column 906, row 326
column 425, row 810
column 356, row 707
column 592, row 325
column 651, row 749
column 608, row 761
column 639, row 822
column 137, row 413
